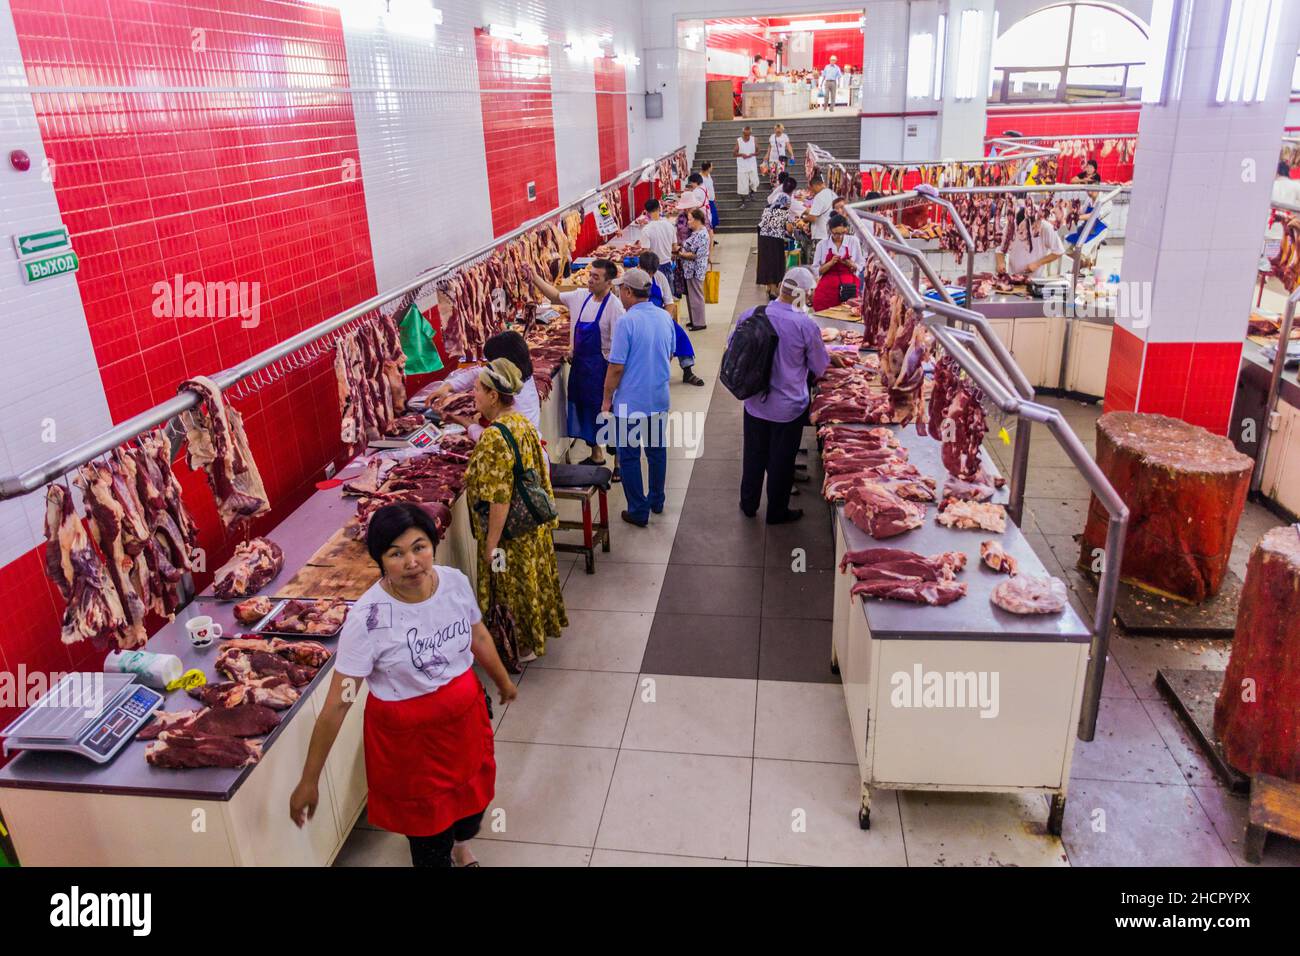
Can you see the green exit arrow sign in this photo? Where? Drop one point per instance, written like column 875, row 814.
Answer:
column 34, row 270
column 46, row 240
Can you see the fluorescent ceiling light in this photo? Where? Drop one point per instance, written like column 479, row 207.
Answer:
column 940, row 53
column 1247, row 52
column 920, row 65
column 627, row 59
column 527, row 35
column 969, row 46
column 993, row 41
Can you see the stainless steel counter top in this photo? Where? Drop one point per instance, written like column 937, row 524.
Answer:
column 973, row 617
column 128, row 774
column 1257, row 370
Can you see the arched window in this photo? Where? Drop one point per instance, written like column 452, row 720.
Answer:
column 1068, row 52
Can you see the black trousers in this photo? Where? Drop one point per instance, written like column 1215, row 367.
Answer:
column 436, row 850
column 770, row 449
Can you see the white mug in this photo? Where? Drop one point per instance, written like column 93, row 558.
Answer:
column 202, row 630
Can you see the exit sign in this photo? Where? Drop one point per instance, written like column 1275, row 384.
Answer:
column 46, row 240
column 34, row 270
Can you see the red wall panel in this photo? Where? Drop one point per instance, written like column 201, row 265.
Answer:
column 262, row 188
column 847, row 46
column 611, row 117
column 518, row 129
column 1071, row 121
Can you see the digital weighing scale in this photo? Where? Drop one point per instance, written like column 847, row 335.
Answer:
column 90, row 714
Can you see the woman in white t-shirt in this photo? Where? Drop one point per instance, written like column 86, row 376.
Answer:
column 414, row 635
column 779, row 153
column 510, row 345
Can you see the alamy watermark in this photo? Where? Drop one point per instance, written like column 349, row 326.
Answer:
column 77, row 690
column 208, row 300
column 674, row 429
column 977, row 690
column 1131, row 302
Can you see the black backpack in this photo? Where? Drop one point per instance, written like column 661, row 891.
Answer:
column 747, row 362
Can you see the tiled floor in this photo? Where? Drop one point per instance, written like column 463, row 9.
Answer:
column 688, row 715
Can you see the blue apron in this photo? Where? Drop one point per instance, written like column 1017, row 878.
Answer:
column 586, row 376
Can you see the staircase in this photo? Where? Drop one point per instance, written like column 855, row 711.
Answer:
column 840, row 135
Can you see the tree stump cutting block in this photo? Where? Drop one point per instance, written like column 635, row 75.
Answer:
column 1256, row 716
column 1185, row 488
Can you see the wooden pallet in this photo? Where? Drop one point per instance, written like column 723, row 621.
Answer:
column 1274, row 808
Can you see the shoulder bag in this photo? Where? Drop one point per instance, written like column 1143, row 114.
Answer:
column 530, row 505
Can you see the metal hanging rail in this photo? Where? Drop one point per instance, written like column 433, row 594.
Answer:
column 23, row 483
column 958, row 344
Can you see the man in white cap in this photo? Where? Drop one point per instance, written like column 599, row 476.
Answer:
column 775, row 419
column 636, row 394
column 830, row 80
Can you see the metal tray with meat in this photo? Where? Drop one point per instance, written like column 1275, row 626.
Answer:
column 312, row 618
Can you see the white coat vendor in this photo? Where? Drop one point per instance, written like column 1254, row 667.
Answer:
column 1032, row 251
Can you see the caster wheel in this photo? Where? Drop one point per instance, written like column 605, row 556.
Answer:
column 864, row 819
column 835, row 669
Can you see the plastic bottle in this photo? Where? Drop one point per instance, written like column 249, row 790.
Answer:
column 155, row 670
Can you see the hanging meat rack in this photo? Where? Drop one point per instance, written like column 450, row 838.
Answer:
column 935, row 197
column 983, row 356
column 297, row 351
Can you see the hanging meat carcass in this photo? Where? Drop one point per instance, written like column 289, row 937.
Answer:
column 93, row 608
column 216, row 442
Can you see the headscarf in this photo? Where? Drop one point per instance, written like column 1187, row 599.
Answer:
column 502, row 375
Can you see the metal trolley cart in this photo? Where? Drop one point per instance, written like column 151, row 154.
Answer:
column 1012, row 691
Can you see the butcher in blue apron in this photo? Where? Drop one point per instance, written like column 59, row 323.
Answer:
column 587, row 377
column 593, row 311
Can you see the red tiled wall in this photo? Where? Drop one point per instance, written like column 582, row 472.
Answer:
column 518, row 129
column 1124, row 371
column 1072, row 121
column 215, row 187
column 611, row 117
column 846, row 45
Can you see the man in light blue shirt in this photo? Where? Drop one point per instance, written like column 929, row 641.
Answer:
column 830, row 81
column 636, row 393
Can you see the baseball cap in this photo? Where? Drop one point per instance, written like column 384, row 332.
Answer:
column 638, row 280
column 799, row 277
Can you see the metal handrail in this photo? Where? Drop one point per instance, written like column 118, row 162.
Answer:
column 954, row 341
column 23, row 483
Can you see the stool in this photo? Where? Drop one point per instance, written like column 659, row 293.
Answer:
column 592, row 534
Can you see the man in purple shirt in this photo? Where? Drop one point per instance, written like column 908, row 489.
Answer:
column 774, row 421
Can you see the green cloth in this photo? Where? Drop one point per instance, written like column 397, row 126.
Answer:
column 417, row 342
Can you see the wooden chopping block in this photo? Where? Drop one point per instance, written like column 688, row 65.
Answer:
column 1185, row 488
column 1256, row 716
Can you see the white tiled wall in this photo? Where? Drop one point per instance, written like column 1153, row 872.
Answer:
column 47, row 365
column 421, row 133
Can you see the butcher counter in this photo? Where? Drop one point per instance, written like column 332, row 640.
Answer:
column 1281, row 477
column 1022, row 738
column 64, row 810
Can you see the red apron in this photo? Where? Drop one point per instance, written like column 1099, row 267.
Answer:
column 827, row 293
column 429, row 760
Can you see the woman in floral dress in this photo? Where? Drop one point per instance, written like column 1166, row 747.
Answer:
column 524, row 575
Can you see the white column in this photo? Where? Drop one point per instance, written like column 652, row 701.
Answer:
column 1202, row 184
column 967, row 67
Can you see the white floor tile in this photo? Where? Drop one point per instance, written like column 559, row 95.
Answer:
column 548, row 794
column 600, row 641
column 501, row 853
column 366, row 847
column 807, row 813
column 976, row 829
column 799, row 721
column 696, row 715
column 683, row 804
column 574, row 708
column 616, row 587
column 624, row 858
